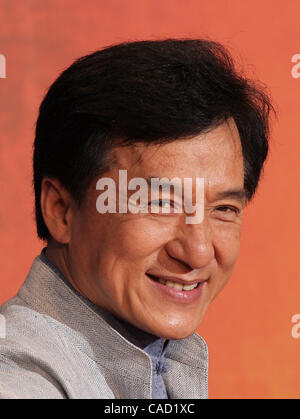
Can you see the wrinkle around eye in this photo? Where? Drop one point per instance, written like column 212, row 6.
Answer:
column 160, row 204
column 227, row 213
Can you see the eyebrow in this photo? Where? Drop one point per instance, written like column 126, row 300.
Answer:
column 239, row 194
column 150, row 178
column 235, row 193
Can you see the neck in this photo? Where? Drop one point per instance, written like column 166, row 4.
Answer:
column 58, row 255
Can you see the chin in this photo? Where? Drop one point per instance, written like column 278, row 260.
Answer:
column 178, row 336
column 175, row 332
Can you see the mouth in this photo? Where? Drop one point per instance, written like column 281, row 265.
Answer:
column 176, row 283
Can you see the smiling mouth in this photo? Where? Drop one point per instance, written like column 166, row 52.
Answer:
column 172, row 284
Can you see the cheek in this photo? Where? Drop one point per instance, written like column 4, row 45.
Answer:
column 140, row 237
column 227, row 246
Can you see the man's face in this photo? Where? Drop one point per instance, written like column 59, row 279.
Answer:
column 121, row 261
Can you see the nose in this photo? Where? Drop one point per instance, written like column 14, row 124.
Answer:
column 193, row 245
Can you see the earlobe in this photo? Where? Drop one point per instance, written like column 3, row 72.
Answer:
column 56, row 209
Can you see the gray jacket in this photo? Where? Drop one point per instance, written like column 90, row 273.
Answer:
column 54, row 345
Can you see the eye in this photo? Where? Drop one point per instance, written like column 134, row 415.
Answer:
column 162, row 206
column 162, row 203
column 227, row 208
column 227, row 212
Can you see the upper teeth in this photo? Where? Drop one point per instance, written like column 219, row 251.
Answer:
column 178, row 286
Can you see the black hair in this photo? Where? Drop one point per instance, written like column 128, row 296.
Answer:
column 145, row 91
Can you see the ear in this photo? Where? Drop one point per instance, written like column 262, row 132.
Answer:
column 56, row 206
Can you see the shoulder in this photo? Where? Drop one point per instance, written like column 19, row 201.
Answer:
column 26, row 326
column 28, row 348
column 41, row 357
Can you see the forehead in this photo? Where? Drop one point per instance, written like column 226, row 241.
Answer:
column 215, row 155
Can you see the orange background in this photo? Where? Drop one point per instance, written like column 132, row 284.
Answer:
column 248, row 327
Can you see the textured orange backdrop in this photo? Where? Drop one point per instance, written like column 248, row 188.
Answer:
column 248, row 327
